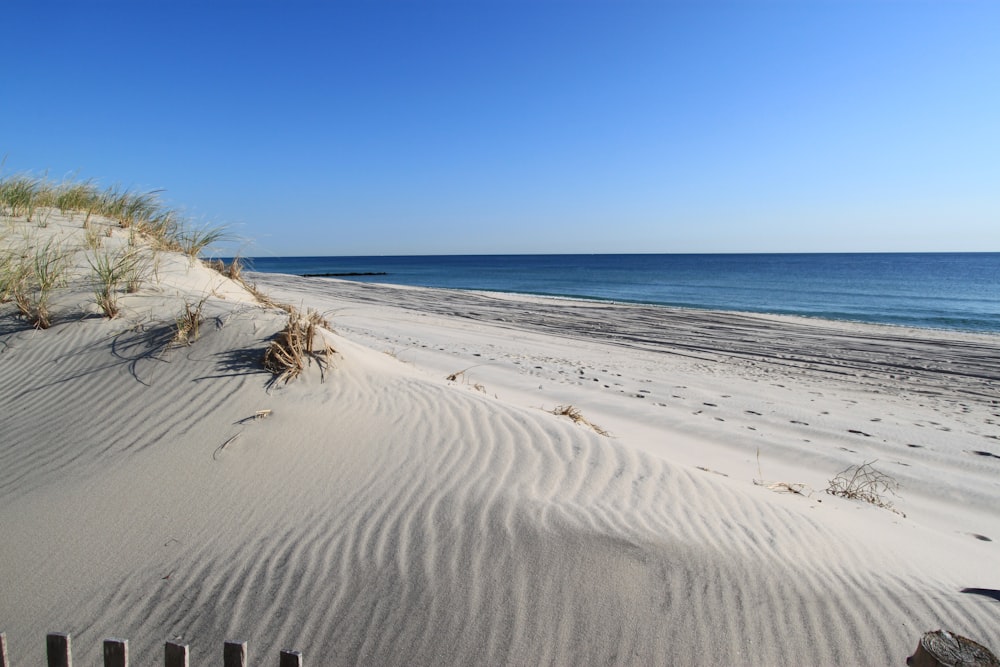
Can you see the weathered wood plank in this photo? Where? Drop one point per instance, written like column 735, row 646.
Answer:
column 234, row 654
column 58, row 649
column 290, row 658
column 175, row 655
column 3, row 650
column 115, row 653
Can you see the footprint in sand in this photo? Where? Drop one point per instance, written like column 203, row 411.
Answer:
column 795, row 421
column 981, row 538
column 751, row 412
column 979, row 452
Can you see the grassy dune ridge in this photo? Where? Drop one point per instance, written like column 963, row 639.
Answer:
column 32, row 268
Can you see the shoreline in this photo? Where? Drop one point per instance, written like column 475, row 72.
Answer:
column 625, row 302
column 676, row 330
column 947, row 291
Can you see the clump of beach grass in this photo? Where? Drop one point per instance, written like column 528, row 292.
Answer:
column 76, row 197
column 114, row 269
column 19, row 195
column 188, row 324
column 295, row 346
column 193, row 241
column 30, row 280
column 234, row 270
column 577, row 416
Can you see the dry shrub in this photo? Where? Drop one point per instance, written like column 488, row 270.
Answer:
column 294, row 347
column 577, row 416
column 864, row 482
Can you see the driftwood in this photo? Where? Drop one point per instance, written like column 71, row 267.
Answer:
column 946, row 649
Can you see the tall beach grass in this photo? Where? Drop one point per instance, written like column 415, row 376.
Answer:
column 31, row 197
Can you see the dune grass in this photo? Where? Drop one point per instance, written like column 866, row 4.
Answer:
column 188, row 324
column 113, row 270
column 24, row 195
column 294, row 347
column 29, row 277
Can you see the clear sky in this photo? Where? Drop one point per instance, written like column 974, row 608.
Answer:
column 488, row 126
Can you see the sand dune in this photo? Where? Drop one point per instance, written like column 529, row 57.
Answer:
column 385, row 515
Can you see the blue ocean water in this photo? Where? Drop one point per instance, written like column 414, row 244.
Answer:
column 937, row 290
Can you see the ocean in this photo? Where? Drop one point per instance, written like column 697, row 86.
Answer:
column 937, row 290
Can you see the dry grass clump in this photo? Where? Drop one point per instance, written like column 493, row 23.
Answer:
column 797, row 488
column 263, row 298
column 454, row 377
column 574, row 414
column 188, row 324
column 864, row 482
column 233, row 270
column 294, row 347
column 458, row 376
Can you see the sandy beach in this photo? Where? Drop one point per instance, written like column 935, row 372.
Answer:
column 419, row 503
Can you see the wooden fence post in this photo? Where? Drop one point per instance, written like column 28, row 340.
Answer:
column 115, row 653
column 57, row 648
column 3, row 650
column 175, row 655
column 290, row 658
column 234, row 654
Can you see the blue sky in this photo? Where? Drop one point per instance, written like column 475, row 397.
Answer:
column 420, row 127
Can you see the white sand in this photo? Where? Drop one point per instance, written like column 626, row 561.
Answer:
column 388, row 516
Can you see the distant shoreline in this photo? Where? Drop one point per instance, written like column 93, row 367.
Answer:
column 349, row 274
column 944, row 291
